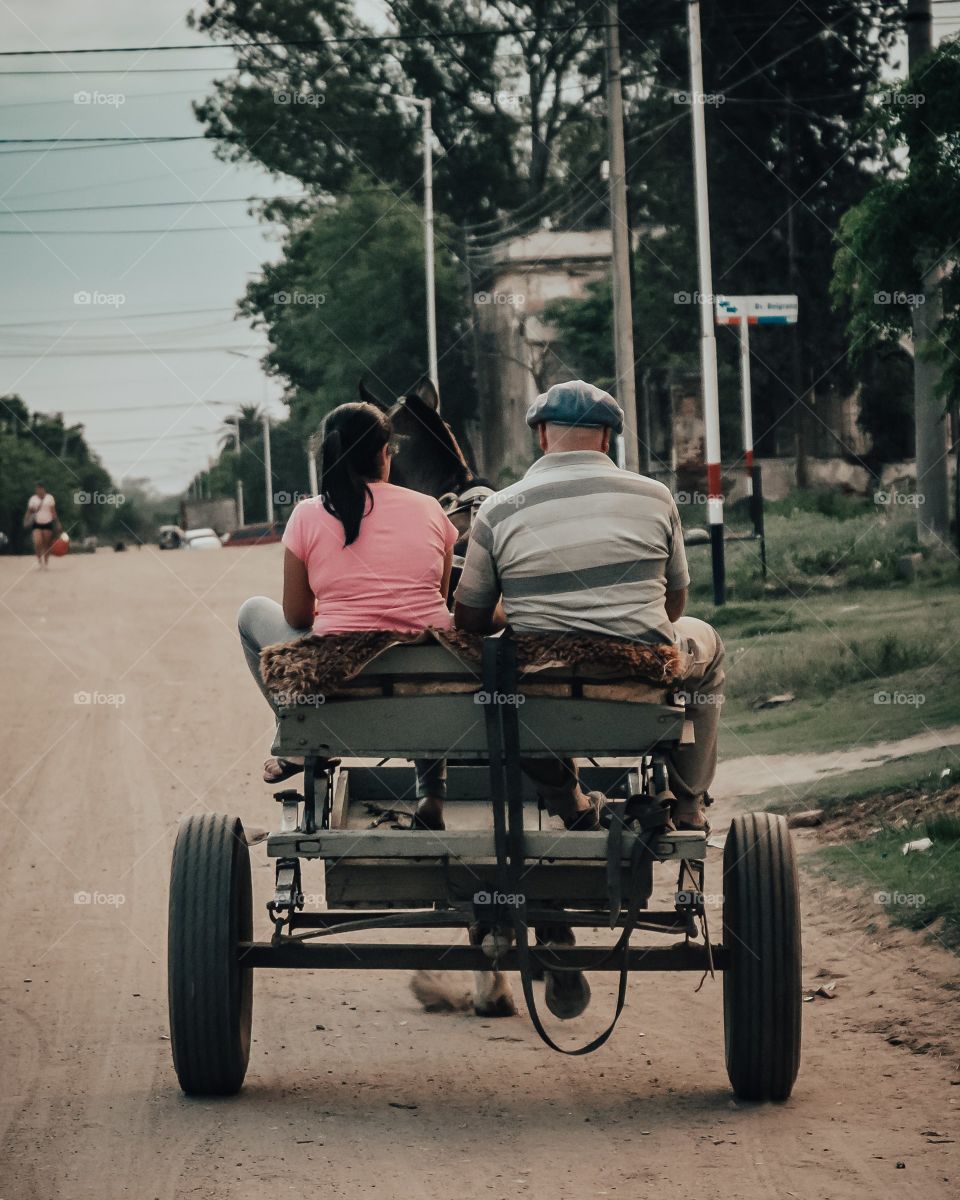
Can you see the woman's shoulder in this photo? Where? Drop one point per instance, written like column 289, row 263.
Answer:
column 401, row 497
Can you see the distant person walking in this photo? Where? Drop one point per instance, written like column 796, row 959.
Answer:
column 41, row 518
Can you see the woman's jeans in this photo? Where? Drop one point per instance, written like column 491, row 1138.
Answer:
column 262, row 623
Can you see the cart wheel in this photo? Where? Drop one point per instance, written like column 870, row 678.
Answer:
column 210, row 994
column 761, row 936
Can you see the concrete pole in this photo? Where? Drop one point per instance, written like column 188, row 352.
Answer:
column 620, row 230
column 312, row 447
column 708, row 341
column 428, row 241
column 240, row 516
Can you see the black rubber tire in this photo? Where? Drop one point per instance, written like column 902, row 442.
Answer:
column 210, row 994
column 762, row 999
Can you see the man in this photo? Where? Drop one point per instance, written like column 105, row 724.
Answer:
column 578, row 545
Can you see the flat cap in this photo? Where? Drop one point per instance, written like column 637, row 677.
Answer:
column 576, row 403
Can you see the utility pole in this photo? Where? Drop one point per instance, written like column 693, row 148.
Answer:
column 620, row 232
column 428, row 240
column 268, row 466
column 930, row 425
column 708, row 340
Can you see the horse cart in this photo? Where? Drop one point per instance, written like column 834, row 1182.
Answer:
column 508, row 878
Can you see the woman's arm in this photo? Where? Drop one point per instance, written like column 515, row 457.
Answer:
column 299, row 601
column 447, row 569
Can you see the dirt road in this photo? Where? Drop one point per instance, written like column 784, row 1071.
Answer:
column 126, row 705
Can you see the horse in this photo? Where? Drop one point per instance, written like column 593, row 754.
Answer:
column 428, row 459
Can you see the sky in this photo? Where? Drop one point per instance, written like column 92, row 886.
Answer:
column 124, row 318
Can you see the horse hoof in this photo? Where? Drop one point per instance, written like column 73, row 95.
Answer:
column 567, row 993
column 502, row 1006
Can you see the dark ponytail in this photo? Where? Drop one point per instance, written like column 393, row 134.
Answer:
column 353, row 436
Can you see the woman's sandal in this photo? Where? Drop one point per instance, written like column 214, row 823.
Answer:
column 288, row 768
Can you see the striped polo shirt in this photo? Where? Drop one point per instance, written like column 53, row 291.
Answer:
column 578, row 545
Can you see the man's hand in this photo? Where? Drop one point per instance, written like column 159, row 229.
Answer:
column 676, row 602
column 479, row 620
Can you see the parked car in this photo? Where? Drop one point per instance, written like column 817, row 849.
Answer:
column 202, row 539
column 171, row 537
column 261, row 533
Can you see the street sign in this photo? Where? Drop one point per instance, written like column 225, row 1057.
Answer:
column 759, row 310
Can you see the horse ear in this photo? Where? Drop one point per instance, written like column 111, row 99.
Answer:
column 427, row 390
column 369, row 398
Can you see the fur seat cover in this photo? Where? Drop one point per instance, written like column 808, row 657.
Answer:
column 315, row 664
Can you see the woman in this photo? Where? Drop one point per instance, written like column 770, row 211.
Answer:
column 41, row 518
column 364, row 554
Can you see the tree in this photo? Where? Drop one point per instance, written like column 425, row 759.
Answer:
column 786, row 89
column 328, row 105
column 348, row 300
column 897, row 247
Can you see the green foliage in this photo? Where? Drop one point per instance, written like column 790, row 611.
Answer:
column 907, row 226
column 36, row 447
column 348, row 300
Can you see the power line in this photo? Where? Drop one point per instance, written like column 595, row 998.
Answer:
column 125, row 232
column 4, row 211
column 352, row 39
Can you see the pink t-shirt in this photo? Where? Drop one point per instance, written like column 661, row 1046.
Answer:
column 389, row 578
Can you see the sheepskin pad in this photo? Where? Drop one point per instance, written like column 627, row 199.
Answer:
column 314, row 664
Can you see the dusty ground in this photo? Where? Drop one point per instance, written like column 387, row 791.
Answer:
column 90, row 1106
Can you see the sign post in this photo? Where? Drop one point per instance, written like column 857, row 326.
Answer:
column 744, row 311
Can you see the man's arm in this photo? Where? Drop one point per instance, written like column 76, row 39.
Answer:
column 676, row 602
column 479, row 620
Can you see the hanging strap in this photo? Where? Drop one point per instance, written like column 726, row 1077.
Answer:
column 503, row 738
